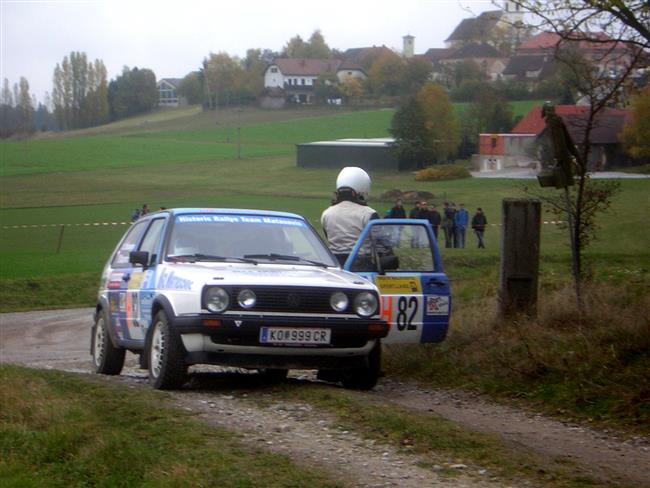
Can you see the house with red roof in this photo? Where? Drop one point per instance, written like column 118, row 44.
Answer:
column 518, row 149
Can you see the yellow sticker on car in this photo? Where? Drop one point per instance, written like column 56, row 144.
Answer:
column 398, row 285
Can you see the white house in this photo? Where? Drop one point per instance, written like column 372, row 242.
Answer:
column 167, row 93
column 297, row 77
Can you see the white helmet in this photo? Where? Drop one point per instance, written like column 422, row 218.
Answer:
column 355, row 178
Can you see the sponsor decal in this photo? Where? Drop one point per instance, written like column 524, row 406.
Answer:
column 239, row 219
column 114, row 281
column 135, row 283
column 398, row 285
column 437, row 305
column 122, row 305
column 169, row 280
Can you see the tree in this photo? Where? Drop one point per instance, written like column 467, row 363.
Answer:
column 351, row 89
column 295, row 48
column 413, row 141
column 636, row 133
column 133, row 92
column 224, row 80
column 440, row 121
column 414, row 75
column 25, row 107
column 317, row 48
column 314, row 48
column 191, row 87
column 80, row 92
column 619, row 32
column 385, row 74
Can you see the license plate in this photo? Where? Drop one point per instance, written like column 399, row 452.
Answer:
column 293, row 335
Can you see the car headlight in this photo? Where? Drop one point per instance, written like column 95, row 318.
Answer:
column 365, row 304
column 246, row 298
column 339, row 301
column 216, row 299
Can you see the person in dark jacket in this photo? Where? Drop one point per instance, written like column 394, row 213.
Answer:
column 415, row 211
column 434, row 218
column 479, row 221
column 398, row 211
column 448, row 224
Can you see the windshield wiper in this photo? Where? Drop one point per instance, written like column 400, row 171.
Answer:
column 285, row 257
column 209, row 257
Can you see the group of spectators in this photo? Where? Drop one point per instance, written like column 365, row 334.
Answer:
column 453, row 220
column 141, row 212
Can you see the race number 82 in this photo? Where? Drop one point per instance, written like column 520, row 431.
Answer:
column 407, row 309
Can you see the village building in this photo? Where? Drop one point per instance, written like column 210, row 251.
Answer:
column 168, row 93
column 520, row 148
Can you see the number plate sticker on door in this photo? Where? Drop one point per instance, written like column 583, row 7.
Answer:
column 294, row 336
column 398, row 285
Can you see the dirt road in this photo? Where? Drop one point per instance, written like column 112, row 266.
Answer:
column 60, row 340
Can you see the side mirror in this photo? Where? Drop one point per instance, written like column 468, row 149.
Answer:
column 389, row 262
column 139, row 257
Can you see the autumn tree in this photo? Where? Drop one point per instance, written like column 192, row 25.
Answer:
column 636, row 134
column 351, row 89
column 413, row 145
column 24, row 106
column 133, row 92
column 619, row 36
column 385, row 74
column 79, row 92
column 440, row 121
column 314, row 48
column 414, row 75
column 191, row 87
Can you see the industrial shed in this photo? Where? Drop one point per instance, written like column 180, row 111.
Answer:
column 369, row 154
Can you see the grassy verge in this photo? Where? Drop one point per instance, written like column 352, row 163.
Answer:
column 591, row 366
column 63, row 430
column 439, row 442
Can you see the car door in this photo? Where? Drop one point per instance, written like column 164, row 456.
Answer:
column 130, row 287
column 401, row 257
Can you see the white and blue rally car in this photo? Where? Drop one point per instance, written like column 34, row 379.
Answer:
column 260, row 290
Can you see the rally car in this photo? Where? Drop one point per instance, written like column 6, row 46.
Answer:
column 245, row 288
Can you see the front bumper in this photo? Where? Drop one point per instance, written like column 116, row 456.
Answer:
column 235, row 341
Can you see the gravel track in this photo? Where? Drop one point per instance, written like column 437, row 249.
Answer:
column 60, row 340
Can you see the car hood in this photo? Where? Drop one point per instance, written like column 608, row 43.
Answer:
column 195, row 275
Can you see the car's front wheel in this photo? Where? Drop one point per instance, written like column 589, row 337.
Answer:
column 107, row 359
column 167, row 367
column 365, row 378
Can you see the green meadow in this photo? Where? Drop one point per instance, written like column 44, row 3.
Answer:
column 65, row 201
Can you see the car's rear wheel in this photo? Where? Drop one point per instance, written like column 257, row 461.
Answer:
column 365, row 378
column 167, row 367
column 107, row 359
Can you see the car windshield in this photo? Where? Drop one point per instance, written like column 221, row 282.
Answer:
column 246, row 238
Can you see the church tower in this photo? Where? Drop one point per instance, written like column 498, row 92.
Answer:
column 409, row 46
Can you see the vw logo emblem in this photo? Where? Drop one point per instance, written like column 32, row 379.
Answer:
column 293, row 300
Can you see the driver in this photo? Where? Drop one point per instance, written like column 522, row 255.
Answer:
column 345, row 219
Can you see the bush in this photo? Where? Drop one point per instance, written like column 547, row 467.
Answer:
column 442, row 172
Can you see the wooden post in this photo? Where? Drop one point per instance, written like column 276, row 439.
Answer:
column 520, row 238
column 58, row 245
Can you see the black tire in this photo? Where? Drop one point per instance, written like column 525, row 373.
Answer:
column 274, row 375
column 365, row 378
column 167, row 367
column 107, row 359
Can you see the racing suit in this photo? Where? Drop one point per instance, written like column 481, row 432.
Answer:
column 343, row 223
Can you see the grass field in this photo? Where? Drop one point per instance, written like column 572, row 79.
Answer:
column 59, row 430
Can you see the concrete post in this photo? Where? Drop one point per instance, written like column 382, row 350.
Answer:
column 520, row 238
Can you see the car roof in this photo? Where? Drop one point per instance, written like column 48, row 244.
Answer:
column 228, row 211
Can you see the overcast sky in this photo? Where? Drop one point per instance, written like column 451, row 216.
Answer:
column 172, row 37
